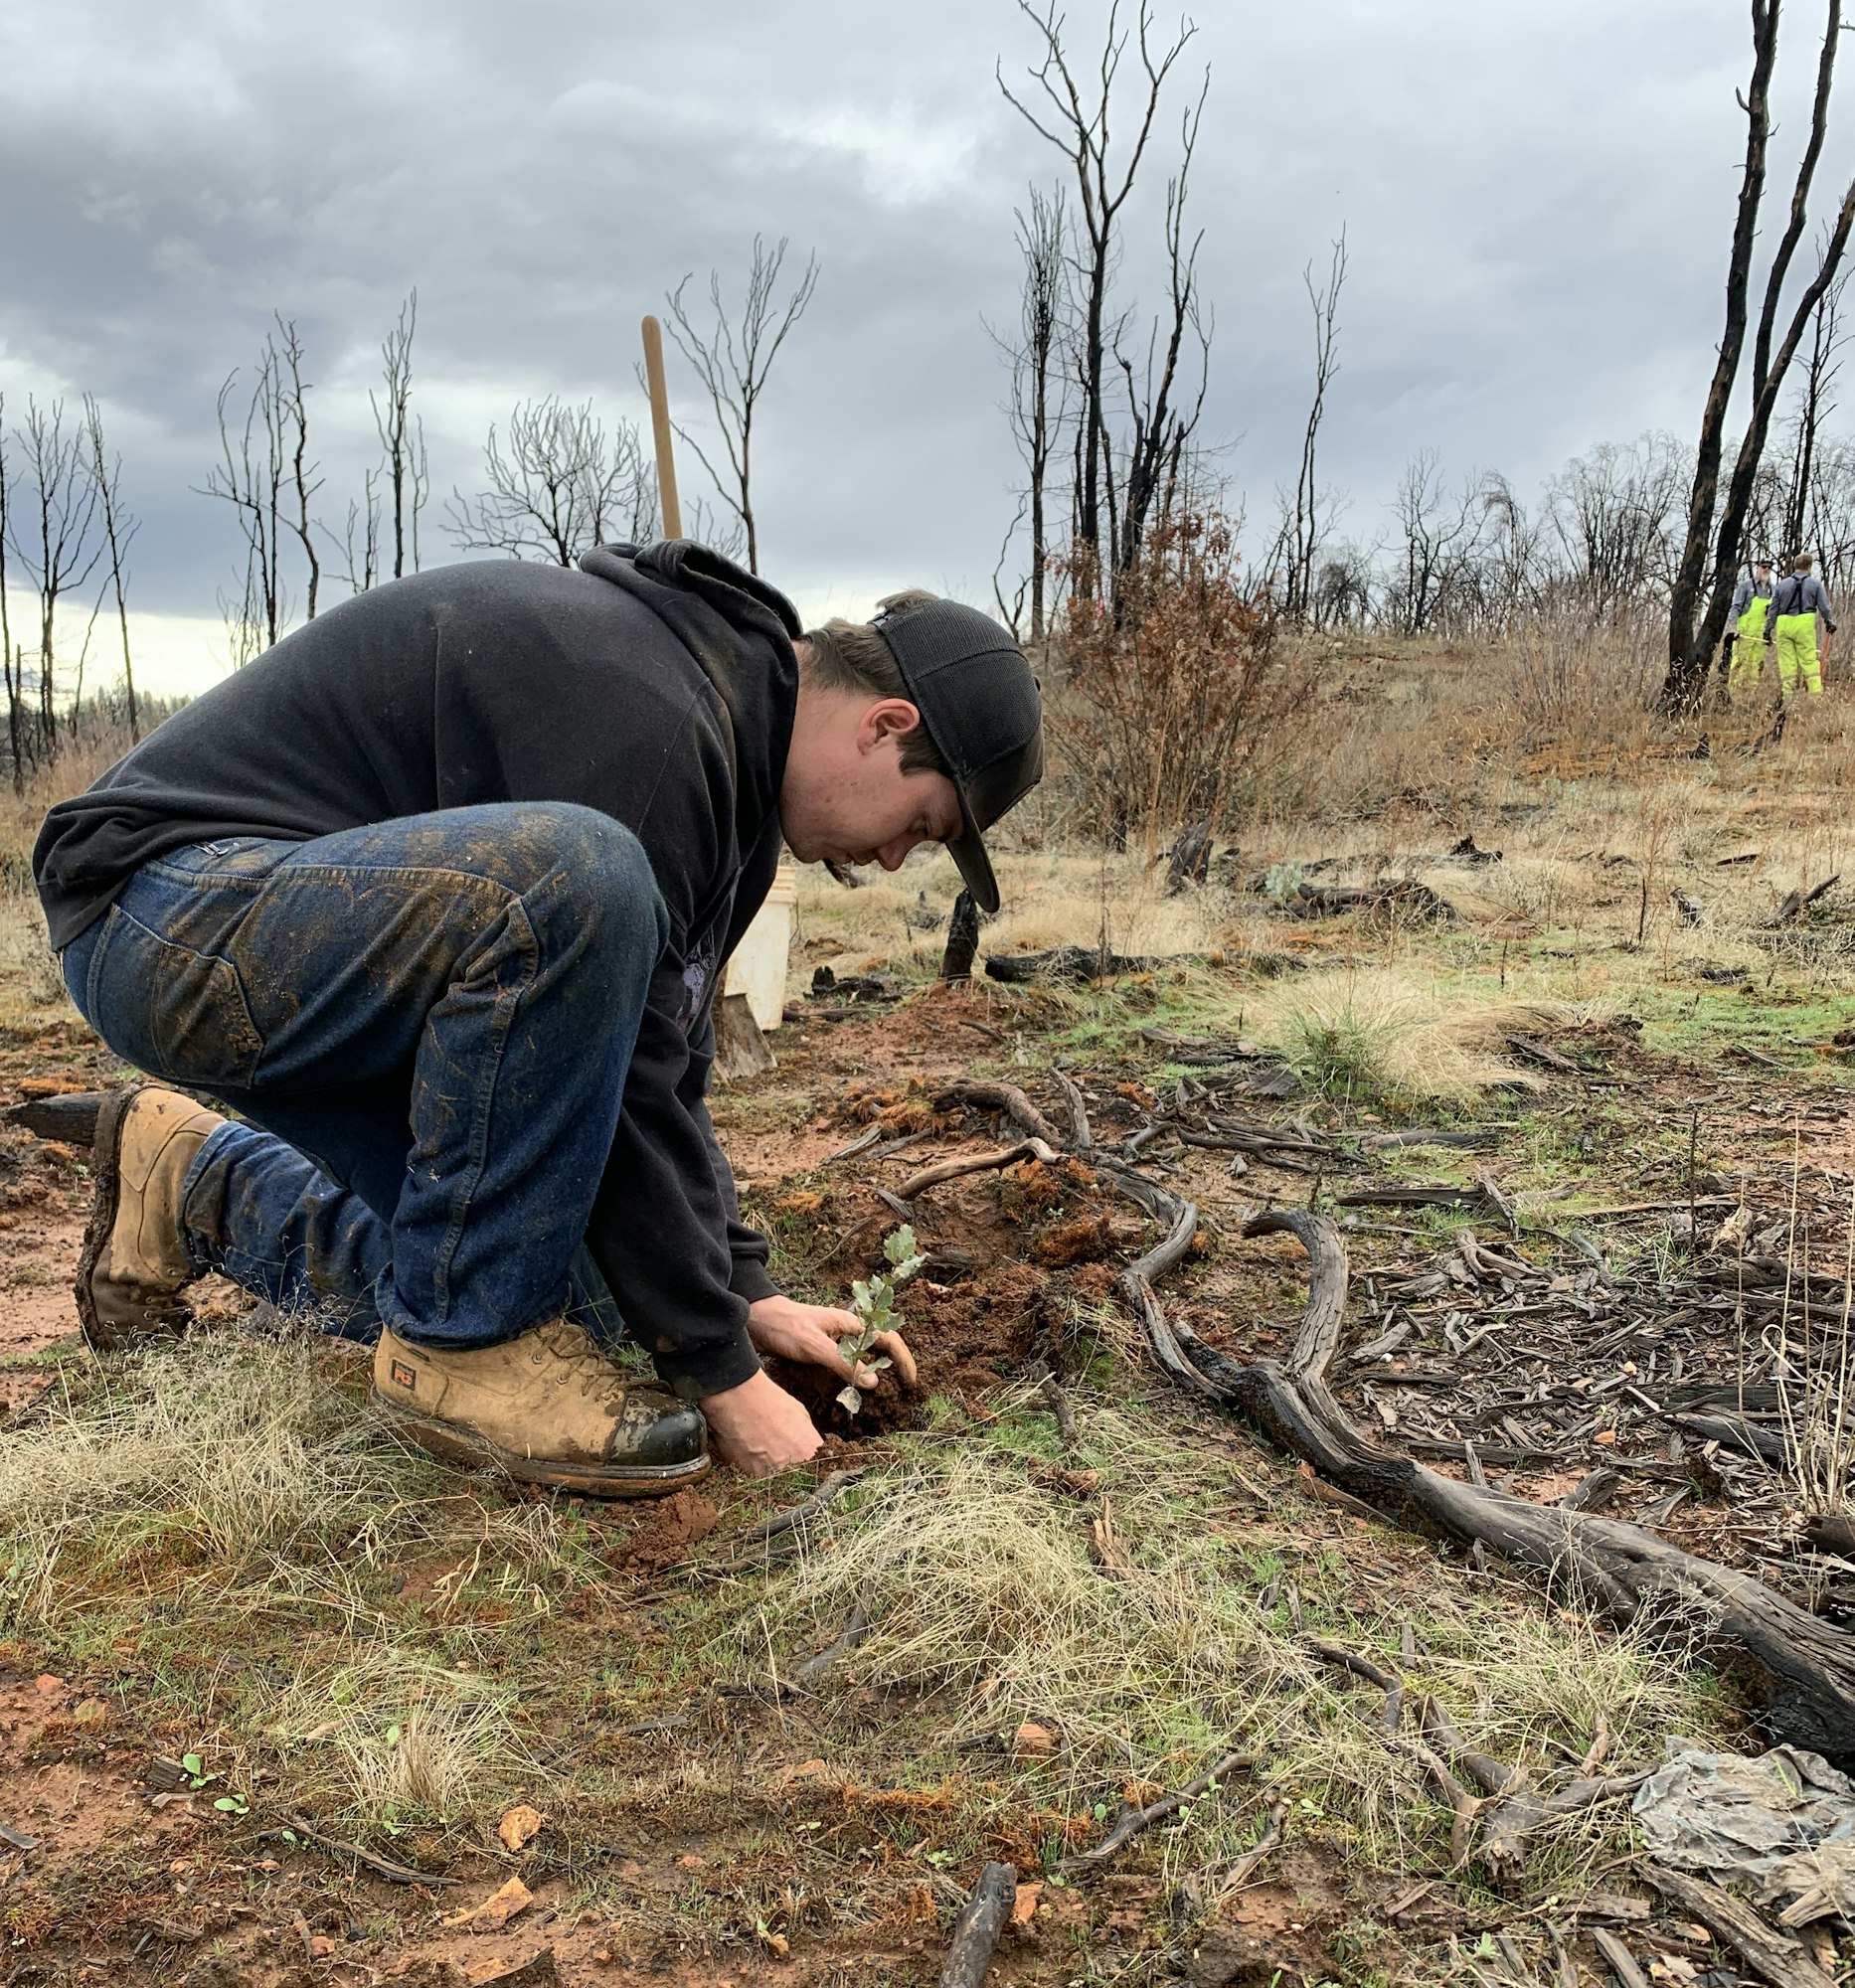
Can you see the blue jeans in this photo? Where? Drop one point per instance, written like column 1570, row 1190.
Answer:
column 426, row 1025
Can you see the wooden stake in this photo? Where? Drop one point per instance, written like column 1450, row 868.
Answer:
column 660, row 429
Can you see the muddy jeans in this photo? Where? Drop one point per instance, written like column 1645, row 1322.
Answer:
column 426, row 1025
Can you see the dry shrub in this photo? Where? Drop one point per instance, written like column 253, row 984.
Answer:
column 1569, row 677
column 1171, row 701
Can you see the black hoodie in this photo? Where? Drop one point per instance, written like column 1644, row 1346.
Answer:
column 656, row 686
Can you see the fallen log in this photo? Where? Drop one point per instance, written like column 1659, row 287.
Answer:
column 1771, row 1956
column 1405, row 894
column 1803, row 1668
column 976, row 1163
column 1079, row 963
column 70, row 1117
column 1006, row 1100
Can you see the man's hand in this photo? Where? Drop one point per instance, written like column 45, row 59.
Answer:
column 758, row 1429
column 810, row 1334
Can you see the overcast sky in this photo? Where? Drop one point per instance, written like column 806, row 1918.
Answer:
column 1537, row 202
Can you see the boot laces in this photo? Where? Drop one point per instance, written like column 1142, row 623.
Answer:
column 582, row 1361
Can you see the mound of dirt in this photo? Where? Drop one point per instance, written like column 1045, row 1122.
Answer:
column 965, row 1339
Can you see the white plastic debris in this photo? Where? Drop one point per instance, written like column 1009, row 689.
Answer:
column 1782, row 1825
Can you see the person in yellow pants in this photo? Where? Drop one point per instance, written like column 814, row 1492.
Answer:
column 1796, row 600
column 1744, row 649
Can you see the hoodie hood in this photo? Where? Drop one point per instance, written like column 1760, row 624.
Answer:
column 741, row 632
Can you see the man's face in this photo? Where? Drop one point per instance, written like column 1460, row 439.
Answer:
column 845, row 797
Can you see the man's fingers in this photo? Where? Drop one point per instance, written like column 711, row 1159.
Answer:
column 897, row 1348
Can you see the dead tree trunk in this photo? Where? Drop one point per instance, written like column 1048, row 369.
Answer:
column 1079, row 128
column 118, row 529
column 1694, row 634
column 1304, row 531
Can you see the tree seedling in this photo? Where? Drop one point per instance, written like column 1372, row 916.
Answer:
column 874, row 1303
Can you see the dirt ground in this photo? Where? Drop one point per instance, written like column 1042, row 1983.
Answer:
column 1630, row 1287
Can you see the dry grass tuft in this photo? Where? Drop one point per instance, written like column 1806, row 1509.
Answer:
column 985, row 1600
column 225, row 1451
column 1376, row 1036
column 985, row 1589
column 395, row 1735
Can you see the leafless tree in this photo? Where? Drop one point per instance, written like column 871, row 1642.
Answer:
column 119, row 529
column 360, row 536
column 1694, row 631
column 1303, row 537
column 12, row 664
column 733, row 359
column 1162, row 408
column 401, row 438
column 252, row 478
column 1438, row 538
column 304, row 476
column 1078, row 125
column 560, row 485
column 56, row 542
column 1038, row 405
column 1815, row 406
column 1613, row 512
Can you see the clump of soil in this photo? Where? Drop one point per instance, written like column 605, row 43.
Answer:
column 664, row 1532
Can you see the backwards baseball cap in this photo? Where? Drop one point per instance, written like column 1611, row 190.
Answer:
column 979, row 704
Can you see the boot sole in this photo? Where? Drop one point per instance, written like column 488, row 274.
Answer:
column 453, row 1444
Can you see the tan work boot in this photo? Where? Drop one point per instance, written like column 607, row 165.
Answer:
column 134, row 1266
column 547, row 1407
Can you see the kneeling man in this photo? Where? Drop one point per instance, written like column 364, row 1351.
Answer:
column 438, row 896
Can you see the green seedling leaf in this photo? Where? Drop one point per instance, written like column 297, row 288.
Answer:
column 872, row 1302
column 193, row 1764
column 393, row 1735
column 233, row 1806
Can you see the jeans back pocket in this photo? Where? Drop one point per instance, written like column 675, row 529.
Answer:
column 169, row 1010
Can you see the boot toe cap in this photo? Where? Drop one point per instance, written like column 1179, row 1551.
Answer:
column 659, row 1431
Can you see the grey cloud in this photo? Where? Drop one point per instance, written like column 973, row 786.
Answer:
column 1536, row 204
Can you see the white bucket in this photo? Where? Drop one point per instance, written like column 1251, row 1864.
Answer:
column 757, row 968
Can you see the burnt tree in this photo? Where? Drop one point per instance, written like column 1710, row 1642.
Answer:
column 1077, row 123
column 1701, row 597
column 733, row 358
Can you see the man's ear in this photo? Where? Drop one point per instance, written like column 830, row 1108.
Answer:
column 888, row 718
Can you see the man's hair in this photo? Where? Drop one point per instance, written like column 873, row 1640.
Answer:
column 852, row 658
column 1802, row 563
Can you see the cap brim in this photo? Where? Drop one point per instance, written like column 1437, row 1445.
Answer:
column 976, row 866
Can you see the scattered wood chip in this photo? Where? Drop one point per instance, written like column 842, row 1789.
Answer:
column 1032, row 1742
column 1024, row 1905
column 520, row 1825
column 495, row 1911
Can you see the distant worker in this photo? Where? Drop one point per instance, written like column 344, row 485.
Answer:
column 1796, row 600
column 1744, row 642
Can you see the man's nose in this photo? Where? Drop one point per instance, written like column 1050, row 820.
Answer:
column 892, row 854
